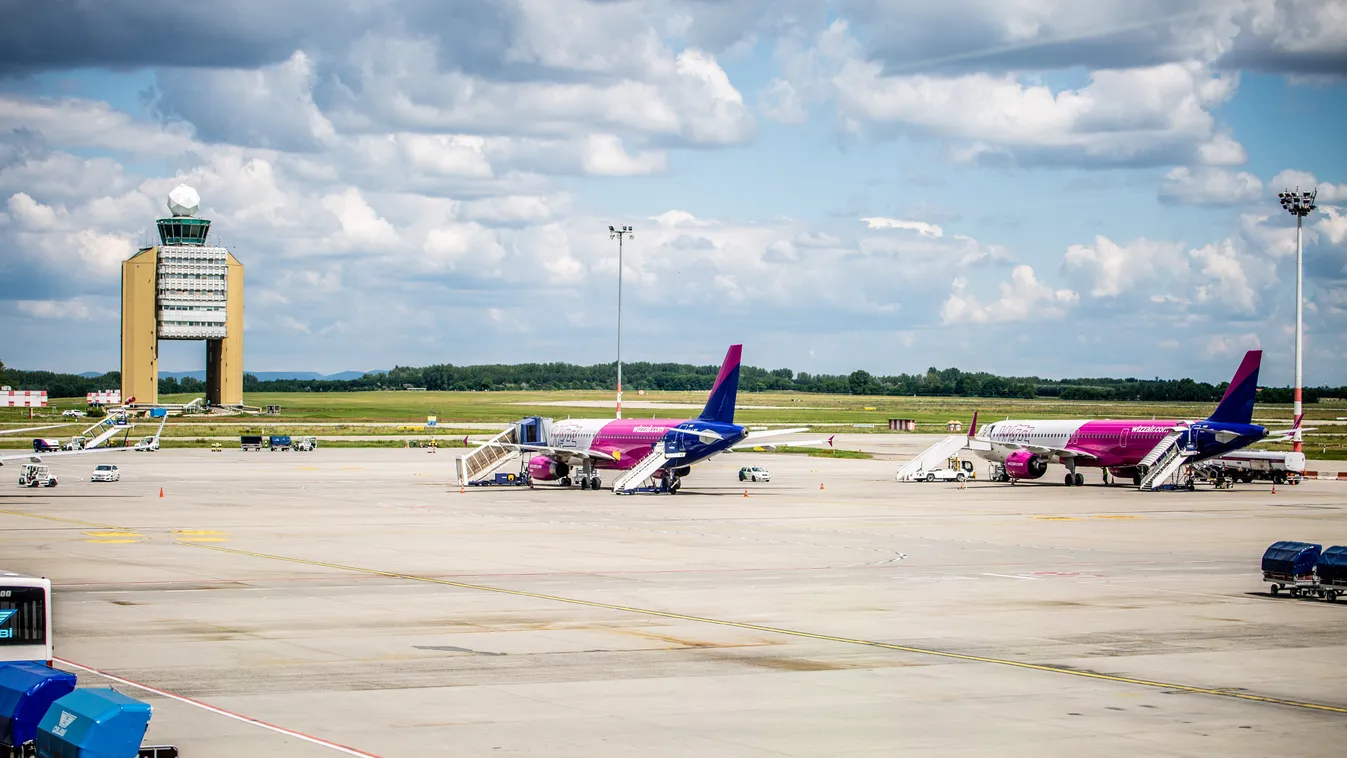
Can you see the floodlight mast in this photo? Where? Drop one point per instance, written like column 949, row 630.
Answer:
column 1299, row 204
column 619, row 233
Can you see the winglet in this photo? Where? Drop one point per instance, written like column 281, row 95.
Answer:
column 973, row 425
column 830, row 440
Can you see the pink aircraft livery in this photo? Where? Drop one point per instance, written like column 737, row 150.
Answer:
column 576, row 450
column 1135, row 450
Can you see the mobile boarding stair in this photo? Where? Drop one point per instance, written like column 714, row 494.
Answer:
column 932, row 457
column 636, row 479
column 1163, row 463
column 106, row 428
column 501, row 449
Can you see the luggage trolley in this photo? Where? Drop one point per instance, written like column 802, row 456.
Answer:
column 1332, row 572
column 1290, row 566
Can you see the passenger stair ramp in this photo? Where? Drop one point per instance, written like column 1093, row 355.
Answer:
column 933, row 457
column 107, row 427
column 661, row 454
column 501, row 449
column 1163, row 461
column 107, row 434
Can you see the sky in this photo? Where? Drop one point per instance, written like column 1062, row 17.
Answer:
column 1018, row 186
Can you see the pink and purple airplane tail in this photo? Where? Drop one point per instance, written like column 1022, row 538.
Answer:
column 1237, row 405
column 720, row 405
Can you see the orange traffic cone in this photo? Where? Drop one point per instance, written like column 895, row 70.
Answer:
column 1274, row 488
column 820, row 485
column 745, row 493
column 161, row 492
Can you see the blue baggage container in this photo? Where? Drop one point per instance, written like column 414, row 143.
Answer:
column 1332, row 566
column 1289, row 558
column 27, row 690
column 93, row 723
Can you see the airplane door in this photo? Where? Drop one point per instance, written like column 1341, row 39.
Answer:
column 1127, row 430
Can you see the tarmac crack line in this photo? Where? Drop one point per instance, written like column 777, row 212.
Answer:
column 1191, row 689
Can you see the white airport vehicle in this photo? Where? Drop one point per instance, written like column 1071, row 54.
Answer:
column 105, row 472
column 954, row 470
column 25, row 618
column 754, row 474
column 306, row 444
column 72, row 413
column 36, row 475
column 148, row 444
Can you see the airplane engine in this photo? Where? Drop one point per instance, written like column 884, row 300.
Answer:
column 544, row 469
column 1023, row 464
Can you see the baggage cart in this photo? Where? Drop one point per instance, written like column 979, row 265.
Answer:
column 1290, row 566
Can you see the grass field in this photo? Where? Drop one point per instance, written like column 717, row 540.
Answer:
column 403, row 414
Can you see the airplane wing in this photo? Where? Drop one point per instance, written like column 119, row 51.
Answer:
column 1287, row 435
column 1059, row 452
column 31, row 429
column 557, row 451
column 774, row 433
column 749, row 445
column 39, row 457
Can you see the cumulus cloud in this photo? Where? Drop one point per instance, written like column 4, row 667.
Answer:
column 780, row 102
column 1023, row 298
column 1205, row 185
column 1228, row 282
column 920, row 227
column 1151, row 115
column 1291, row 179
column 1110, row 269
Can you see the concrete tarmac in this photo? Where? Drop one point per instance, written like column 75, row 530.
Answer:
column 355, row 602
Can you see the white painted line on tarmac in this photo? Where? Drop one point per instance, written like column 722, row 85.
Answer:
column 1013, row 576
column 219, row 711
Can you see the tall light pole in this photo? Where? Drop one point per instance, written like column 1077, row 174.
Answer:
column 1298, row 204
column 619, row 233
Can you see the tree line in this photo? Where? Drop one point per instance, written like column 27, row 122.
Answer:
column 950, row 382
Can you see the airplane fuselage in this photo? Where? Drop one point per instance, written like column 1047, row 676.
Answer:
column 627, row 441
column 1112, row 444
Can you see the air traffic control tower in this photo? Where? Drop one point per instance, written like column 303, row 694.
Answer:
column 182, row 289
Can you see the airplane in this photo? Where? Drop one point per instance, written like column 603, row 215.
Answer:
column 580, row 448
column 1124, row 449
column 37, row 457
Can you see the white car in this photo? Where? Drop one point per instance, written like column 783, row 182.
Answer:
column 958, row 471
column 105, row 472
column 72, row 413
column 754, row 474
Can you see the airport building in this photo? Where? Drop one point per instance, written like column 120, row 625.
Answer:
column 182, row 289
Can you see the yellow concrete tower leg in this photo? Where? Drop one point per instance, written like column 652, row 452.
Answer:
column 224, row 358
column 140, row 337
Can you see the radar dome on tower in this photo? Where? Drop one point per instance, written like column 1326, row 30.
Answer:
column 183, row 201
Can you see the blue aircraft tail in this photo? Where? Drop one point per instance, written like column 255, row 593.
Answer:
column 720, row 405
column 1237, row 405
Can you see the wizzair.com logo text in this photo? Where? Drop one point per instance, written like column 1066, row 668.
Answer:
column 6, row 634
